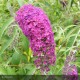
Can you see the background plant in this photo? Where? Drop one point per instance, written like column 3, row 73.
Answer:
column 15, row 54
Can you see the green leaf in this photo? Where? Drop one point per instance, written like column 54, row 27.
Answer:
column 29, row 54
column 68, row 35
column 70, row 26
column 8, row 42
column 10, row 71
column 20, row 2
column 77, row 64
column 30, row 69
column 24, row 58
column 20, row 71
column 6, row 24
column 10, row 8
column 70, row 2
column 16, row 58
column 3, row 71
column 71, row 41
column 25, row 43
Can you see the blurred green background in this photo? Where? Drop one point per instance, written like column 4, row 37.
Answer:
column 16, row 57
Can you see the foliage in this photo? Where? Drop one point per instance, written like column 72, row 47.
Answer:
column 15, row 54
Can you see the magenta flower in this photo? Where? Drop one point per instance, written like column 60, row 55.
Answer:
column 70, row 70
column 37, row 28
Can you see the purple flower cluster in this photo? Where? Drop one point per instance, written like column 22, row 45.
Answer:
column 37, row 28
column 70, row 70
